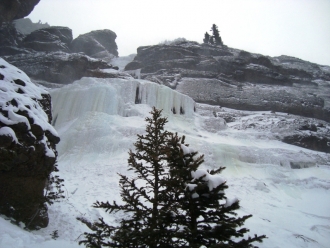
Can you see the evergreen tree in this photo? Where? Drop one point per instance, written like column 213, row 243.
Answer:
column 216, row 35
column 170, row 202
column 146, row 225
column 203, row 214
column 206, row 39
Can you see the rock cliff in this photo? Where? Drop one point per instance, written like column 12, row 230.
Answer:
column 15, row 9
column 27, row 147
column 50, row 54
column 97, row 44
column 233, row 78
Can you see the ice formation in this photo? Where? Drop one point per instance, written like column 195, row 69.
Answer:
column 116, row 97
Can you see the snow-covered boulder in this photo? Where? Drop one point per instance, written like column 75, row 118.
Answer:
column 27, row 147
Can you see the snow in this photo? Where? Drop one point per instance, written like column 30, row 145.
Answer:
column 7, row 131
column 213, row 181
column 186, row 149
column 9, row 90
column 230, row 201
column 191, row 186
column 98, row 120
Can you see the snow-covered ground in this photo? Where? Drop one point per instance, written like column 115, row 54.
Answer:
column 97, row 120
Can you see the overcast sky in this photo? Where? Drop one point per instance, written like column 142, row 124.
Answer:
column 299, row 28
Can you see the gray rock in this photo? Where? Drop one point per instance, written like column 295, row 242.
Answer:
column 15, row 9
column 233, row 78
column 96, row 43
column 25, row 165
column 50, row 39
column 57, row 67
column 10, row 39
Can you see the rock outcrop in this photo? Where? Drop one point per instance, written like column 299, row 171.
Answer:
column 10, row 39
column 97, row 44
column 51, row 55
column 15, row 9
column 57, row 67
column 233, row 78
column 27, row 147
column 52, row 39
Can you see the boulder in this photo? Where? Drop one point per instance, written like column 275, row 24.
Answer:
column 50, row 39
column 27, row 148
column 97, row 44
column 16, row 9
column 57, row 67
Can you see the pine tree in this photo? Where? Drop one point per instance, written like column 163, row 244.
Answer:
column 216, row 35
column 144, row 204
column 206, row 39
column 203, row 214
column 170, row 202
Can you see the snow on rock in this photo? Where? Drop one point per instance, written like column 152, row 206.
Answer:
column 7, row 131
column 27, row 146
column 17, row 88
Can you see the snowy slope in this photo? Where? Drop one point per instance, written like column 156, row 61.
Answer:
column 97, row 120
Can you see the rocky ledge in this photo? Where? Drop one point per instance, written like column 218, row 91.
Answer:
column 27, row 147
column 51, row 54
column 233, row 78
column 59, row 67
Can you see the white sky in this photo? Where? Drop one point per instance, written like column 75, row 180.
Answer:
column 299, row 28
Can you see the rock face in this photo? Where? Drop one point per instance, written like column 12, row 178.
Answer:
column 233, row 78
column 57, row 67
column 10, row 39
column 16, row 9
column 97, row 44
column 45, row 54
column 50, row 39
column 296, row 130
column 27, row 147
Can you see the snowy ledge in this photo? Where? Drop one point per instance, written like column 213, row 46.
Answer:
column 19, row 104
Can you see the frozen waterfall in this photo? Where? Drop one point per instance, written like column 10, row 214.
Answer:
column 116, row 97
